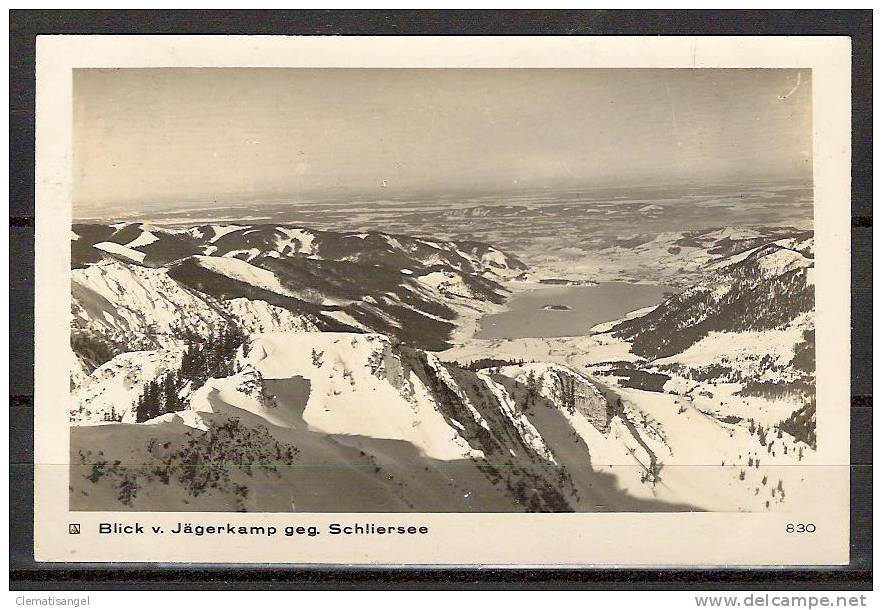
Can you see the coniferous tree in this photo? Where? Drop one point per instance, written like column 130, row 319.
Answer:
column 140, row 413
column 202, row 359
column 169, row 394
column 147, row 407
column 155, row 398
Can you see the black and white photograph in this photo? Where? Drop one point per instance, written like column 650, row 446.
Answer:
column 454, row 290
column 500, row 301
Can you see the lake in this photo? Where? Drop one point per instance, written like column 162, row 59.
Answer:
column 577, row 309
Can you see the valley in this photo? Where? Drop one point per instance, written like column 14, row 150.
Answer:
column 277, row 367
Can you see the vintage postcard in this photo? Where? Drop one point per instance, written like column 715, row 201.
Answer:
column 436, row 301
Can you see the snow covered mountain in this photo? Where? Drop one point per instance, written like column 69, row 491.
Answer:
column 157, row 246
column 376, row 426
column 759, row 289
column 673, row 258
column 296, row 363
column 137, row 287
column 739, row 347
column 718, row 380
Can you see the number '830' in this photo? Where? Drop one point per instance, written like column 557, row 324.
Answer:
column 800, row 528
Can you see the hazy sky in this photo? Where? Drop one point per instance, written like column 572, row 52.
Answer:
column 172, row 137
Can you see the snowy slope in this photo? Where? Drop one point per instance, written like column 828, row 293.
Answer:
column 324, row 390
column 111, row 391
column 729, row 470
column 132, row 307
column 764, row 290
column 256, row 316
column 122, row 300
column 362, row 391
column 126, row 252
column 144, row 239
column 352, row 379
column 247, row 273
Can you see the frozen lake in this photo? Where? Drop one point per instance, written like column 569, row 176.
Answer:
column 567, row 311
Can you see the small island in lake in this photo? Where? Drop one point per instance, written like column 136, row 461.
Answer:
column 557, row 308
column 557, row 281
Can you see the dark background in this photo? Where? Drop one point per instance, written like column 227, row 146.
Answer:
column 25, row 25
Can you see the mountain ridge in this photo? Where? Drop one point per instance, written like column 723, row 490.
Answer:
column 404, row 286
column 346, row 366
